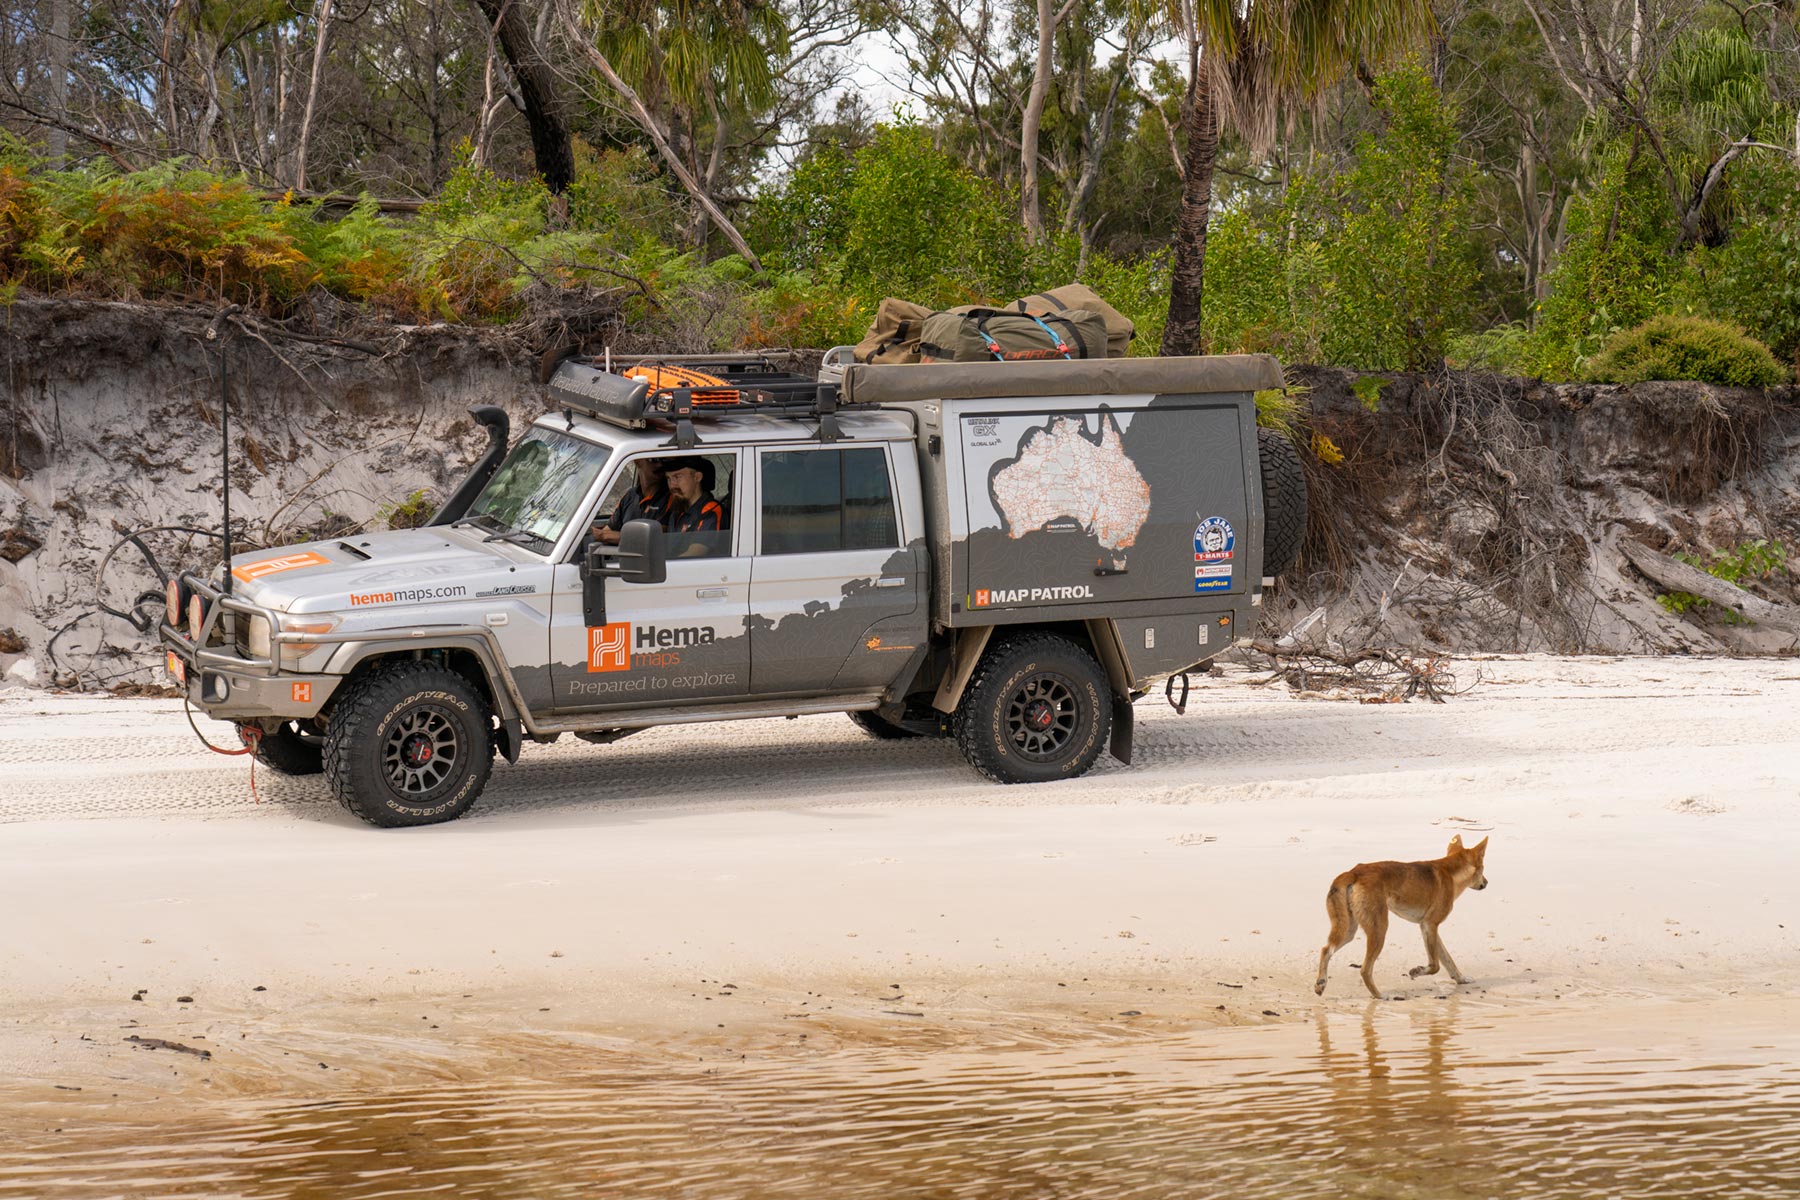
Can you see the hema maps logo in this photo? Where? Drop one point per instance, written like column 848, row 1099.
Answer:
column 609, row 647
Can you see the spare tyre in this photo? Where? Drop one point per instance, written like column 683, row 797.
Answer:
column 1284, row 501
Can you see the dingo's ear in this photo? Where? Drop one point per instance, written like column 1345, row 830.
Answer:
column 1456, row 844
column 1479, row 848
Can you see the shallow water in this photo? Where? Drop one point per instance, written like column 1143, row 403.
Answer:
column 1423, row 1099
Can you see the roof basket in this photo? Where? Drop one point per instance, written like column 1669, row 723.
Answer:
column 681, row 388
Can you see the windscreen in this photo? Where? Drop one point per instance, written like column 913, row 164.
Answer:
column 538, row 489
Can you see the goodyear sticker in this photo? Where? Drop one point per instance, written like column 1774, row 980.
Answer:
column 1211, row 577
column 1213, row 540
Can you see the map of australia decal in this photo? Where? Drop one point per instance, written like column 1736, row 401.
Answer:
column 1067, row 477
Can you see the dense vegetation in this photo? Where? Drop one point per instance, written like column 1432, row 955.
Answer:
column 1552, row 187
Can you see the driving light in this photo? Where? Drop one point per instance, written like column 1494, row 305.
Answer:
column 196, row 618
column 172, row 603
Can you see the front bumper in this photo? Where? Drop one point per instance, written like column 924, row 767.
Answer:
column 234, row 685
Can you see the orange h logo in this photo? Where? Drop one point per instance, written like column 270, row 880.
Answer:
column 609, row 647
column 981, row 598
column 303, row 693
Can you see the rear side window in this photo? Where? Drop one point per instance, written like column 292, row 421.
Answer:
column 814, row 501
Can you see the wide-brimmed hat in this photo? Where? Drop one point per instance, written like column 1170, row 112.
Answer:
column 692, row 462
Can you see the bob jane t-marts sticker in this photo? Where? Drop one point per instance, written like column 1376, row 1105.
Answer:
column 1213, row 540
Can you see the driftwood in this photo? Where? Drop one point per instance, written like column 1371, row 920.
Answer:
column 1381, row 676
column 1678, row 576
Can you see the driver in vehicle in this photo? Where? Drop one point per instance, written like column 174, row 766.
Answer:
column 649, row 500
column 692, row 509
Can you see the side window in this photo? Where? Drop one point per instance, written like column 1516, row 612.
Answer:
column 641, row 490
column 822, row 500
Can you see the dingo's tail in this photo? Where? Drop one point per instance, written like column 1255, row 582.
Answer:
column 1343, row 925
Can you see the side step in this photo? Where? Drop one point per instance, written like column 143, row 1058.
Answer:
column 692, row 714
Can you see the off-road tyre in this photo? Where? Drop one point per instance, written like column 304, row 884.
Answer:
column 409, row 744
column 1284, row 501
column 1037, row 709
column 286, row 752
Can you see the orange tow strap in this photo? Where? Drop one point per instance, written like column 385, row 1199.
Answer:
column 250, row 733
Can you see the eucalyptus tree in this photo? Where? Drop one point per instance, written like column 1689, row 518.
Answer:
column 695, row 66
column 1248, row 62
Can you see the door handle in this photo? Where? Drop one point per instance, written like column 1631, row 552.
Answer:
column 891, row 581
column 711, row 593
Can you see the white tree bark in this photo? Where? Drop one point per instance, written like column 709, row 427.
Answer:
column 321, row 20
column 1678, row 576
column 60, row 52
column 1031, row 209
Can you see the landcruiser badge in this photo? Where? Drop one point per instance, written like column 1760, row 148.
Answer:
column 1213, row 540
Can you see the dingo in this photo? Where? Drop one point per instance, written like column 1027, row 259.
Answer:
column 1422, row 892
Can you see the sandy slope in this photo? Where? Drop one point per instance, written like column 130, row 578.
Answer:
column 1642, row 813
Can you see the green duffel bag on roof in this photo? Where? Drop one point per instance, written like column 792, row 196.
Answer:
column 989, row 335
column 1119, row 329
column 893, row 336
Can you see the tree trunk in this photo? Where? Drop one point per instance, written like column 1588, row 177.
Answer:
column 323, row 21
column 1031, row 211
column 544, row 115
column 60, row 53
column 1678, row 576
column 566, row 18
column 1182, row 333
column 484, row 128
column 1098, row 139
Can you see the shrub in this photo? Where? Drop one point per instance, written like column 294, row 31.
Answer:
column 1371, row 266
column 1696, row 348
column 1614, row 271
column 1753, row 277
column 1508, row 349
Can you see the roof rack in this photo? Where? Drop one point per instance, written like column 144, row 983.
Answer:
column 666, row 388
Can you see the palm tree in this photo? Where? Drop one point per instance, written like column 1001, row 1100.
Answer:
column 1248, row 62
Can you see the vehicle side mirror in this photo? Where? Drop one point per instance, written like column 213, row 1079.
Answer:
column 643, row 552
column 640, row 557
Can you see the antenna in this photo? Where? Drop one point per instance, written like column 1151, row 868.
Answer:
column 212, row 335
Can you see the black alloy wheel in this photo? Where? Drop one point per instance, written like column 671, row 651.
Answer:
column 1041, row 717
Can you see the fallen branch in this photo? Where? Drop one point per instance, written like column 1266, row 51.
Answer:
column 1384, row 676
column 1677, row 576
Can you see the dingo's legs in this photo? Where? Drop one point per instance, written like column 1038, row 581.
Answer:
column 1439, row 953
column 1343, row 930
column 1374, row 921
column 1443, row 953
column 1432, row 946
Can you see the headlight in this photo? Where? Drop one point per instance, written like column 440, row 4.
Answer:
column 258, row 638
column 196, row 619
column 172, row 602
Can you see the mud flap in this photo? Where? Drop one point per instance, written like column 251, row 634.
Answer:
column 1121, row 728
column 512, row 739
